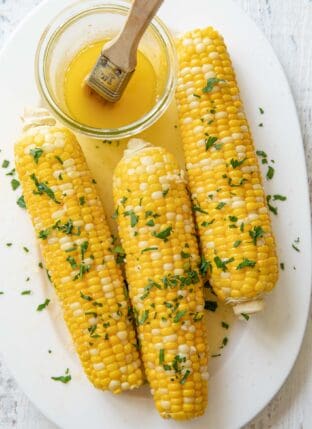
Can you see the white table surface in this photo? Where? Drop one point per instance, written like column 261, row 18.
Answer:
column 287, row 24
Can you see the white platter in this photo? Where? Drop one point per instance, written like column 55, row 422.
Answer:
column 260, row 354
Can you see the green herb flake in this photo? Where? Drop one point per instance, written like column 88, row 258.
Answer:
column 225, row 325
column 63, row 378
column 220, row 205
column 272, row 209
column 261, row 154
column 246, row 263
column 44, row 234
column 236, row 163
column 163, row 235
column 197, row 208
column 42, row 188
column 261, row 110
column 165, row 192
column 185, row 255
column 256, row 233
column 206, row 223
column 151, row 222
column 161, row 356
column 242, row 227
column 270, row 173
column 9, row 244
column 224, row 342
column 185, row 376
column 11, row 173
column 40, row 265
column 282, row 266
column 233, row 218
column 15, row 184
column 245, row 316
column 278, row 197
column 205, row 267
column 5, row 163
column 72, row 262
column 211, row 83
column 43, row 305
column 144, row 317
column 86, row 297
column 21, row 202
column 178, row 316
column 59, row 159
column 237, row 243
column 26, row 292
column 36, row 154
column 82, row 201
column 211, row 305
column 210, row 142
column 295, row 247
column 26, row 250
column 149, row 249
column 260, row 125
column 134, row 219
column 222, row 264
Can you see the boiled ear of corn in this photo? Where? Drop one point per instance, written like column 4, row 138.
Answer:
column 76, row 244
column 224, row 177
column 157, row 232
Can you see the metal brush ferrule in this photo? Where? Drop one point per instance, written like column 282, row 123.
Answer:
column 108, row 80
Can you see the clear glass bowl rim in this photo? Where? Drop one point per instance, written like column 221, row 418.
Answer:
column 62, row 21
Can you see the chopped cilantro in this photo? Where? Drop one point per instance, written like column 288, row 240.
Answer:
column 42, row 188
column 44, row 234
column 63, row 378
column 144, row 317
column 279, row 197
column 134, row 219
column 205, row 224
column 82, row 201
column 163, row 235
column 211, row 82
column 161, row 356
column 211, row 305
column 236, row 163
column 184, row 378
column 222, row 264
column 21, row 202
column 270, row 173
column 246, row 263
column 210, row 142
column 237, row 243
column 150, row 222
column 15, row 184
column 225, row 325
column 245, row 316
column 220, row 205
column 5, row 163
column 256, row 233
column 148, row 249
column 197, row 208
column 272, row 209
column 282, row 265
column 59, row 159
column 86, row 297
column 178, row 316
column 43, row 305
column 26, row 292
column 261, row 110
column 36, row 154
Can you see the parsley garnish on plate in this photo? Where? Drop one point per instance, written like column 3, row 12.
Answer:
column 63, row 378
column 43, row 305
column 211, row 83
column 36, row 154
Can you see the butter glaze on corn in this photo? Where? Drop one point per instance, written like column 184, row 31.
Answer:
column 89, row 285
column 219, row 114
column 150, row 196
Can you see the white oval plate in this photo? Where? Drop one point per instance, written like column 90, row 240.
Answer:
column 260, row 354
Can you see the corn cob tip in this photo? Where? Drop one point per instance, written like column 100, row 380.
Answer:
column 36, row 117
column 248, row 307
column 134, row 146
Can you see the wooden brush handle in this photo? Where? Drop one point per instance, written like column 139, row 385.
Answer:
column 122, row 51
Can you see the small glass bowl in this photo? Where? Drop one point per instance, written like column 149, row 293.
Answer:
column 87, row 22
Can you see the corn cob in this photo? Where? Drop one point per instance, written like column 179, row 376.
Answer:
column 224, row 176
column 157, row 232
column 76, row 244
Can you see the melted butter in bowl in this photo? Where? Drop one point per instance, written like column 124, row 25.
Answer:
column 85, row 106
